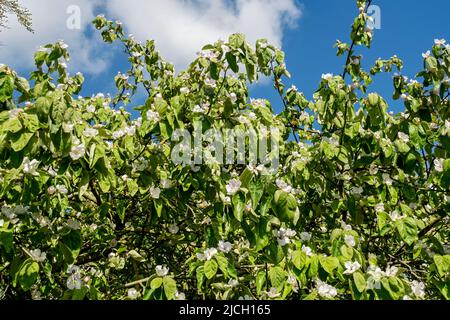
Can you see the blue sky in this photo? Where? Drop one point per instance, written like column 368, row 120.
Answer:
column 306, row 30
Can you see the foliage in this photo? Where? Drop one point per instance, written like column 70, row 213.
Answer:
column 13, row 7
column 93, row 207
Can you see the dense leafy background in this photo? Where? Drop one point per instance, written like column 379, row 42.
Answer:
column 93, row 207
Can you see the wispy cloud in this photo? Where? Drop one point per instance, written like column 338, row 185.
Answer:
column 182, row 27
column 50, row 24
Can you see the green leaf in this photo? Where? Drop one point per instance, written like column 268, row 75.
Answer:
column 170, row 287
column 20, row 140
column 442, row 264
column 28, row 274
column 360, row 281
column 286, row 207
column 6, row 239
column 71, row 244
column 156, row 283
column 277, row 277
column 329, row 263
column 12, row 125
column 407, row 229
column 238, row 206
column 210, row 268
column 299, row 259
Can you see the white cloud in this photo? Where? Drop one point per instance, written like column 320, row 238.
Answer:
column 50, row 24
column 182, row 27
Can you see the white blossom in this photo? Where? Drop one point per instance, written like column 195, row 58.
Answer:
column 396, row 216
column 307, row 250
column 209, row 253
column 325, row 290
column 387, row 179
column 161, row 271
column 73, row 224
column 351, row 267
column 233, row 186
column 30, row 167
column 61, row 189
column 418, row 288
column 327, row 76
column 153, row 116
column 403, row 137
column 133, row 294
column 379, row 208
column 155, row 192
column 38, row 255
column 77, row 151
column 439, row 165
column 173, row 228
column 439, row 42
column 305, row 236
column 349, row 240
column 273, row 293
column 426, row 55
column 90, row 132
column 179, row 296
column 224, row 246
column 391, row 271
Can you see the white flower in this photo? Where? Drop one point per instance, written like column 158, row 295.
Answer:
column 357, row 191
column 201, row 256
column 349, row 240
column 90, row 108
column 387, row 179
column 224, row 246
column 209, row 253
column 133, row 294
column 395, row 216
column 198, row 109
column 233, row 283
column 403, row 136
column 305, row 236
column 293, row 282
column 38, row 255
column 161, row 271
column 391, row 271
column 345, row 226
column 225, row 48
column 207, row 54
column 2, row 222
column 325, row 290
column 63, row 45
column 90, row 132
column 439, row 42
column 153, row 116
column 166, row 183
column 379, row 208
column 273, row 293
column 131, row 130
column 426, row 55
column 77, row 151
column 14, row 113
column 233, row 97
column 118, row 134
column 184, row 90
column 351, row 267
column 30, row 167
column 226, row 200
column 418, row 288
column 210, row 82
column 73, row 224
column 307, row 250
column 179, row 296
column 258, row 103
column 407, row 297
column 67, row 127
column 327, row 76
column 283, row 186
column 439, row 165
column 62, row 189
column 74, row 282
column 233, row 186
column 155, row 192
column 173, row 228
